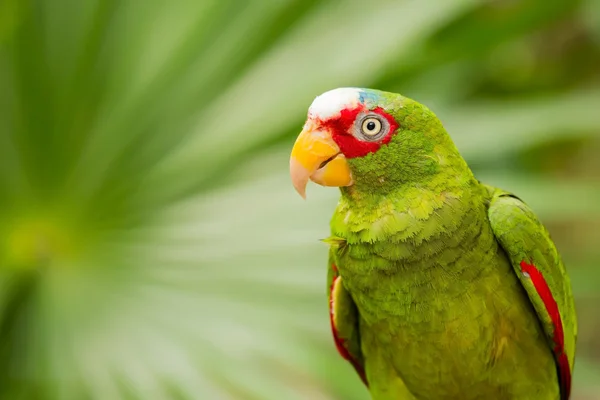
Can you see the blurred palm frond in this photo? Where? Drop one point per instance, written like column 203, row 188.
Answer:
column 151, row 244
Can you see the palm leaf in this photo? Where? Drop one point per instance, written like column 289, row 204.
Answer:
column 151, row 245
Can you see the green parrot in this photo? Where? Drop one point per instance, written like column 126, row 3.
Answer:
column 439, row 286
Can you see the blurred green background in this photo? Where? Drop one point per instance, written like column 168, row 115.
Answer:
column 151, row 244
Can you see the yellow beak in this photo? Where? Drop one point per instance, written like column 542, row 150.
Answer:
column 317, row 157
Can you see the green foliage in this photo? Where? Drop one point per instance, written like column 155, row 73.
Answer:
column 151, row 244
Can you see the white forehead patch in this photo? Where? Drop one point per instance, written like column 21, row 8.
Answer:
column 330, row 103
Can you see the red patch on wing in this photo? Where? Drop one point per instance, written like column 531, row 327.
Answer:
column 340, row 342
column 350, row 146
column 562, row 361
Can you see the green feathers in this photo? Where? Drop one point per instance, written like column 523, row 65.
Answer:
column 429, row 260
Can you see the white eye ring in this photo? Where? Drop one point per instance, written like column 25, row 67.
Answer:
column 371, row 126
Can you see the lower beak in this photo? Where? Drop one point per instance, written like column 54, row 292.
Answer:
column 317, row 157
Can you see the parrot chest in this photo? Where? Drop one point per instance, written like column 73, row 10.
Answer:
column 434, row 321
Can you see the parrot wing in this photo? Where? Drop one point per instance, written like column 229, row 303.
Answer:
column 343, row 316
column 539, row 267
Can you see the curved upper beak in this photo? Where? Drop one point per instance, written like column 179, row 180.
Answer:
column 317, row 157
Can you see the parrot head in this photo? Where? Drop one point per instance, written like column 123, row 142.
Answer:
column 362, row 138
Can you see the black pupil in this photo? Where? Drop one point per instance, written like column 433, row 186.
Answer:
column 371, row 126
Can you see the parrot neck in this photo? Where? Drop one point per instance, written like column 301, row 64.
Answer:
column 411, row 214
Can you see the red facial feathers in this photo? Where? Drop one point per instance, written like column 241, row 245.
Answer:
column 351, row 146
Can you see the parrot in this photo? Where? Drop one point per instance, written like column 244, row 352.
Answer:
column 439, row 286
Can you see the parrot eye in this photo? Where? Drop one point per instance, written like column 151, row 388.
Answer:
column 371, row 127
